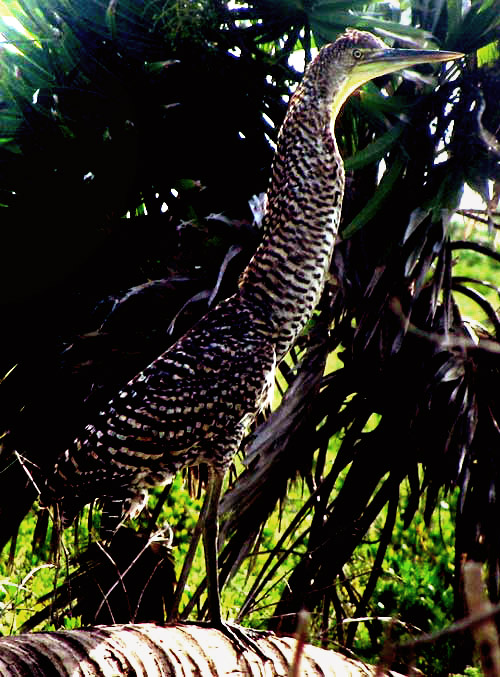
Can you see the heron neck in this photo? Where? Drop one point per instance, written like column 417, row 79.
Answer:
column 304, row 201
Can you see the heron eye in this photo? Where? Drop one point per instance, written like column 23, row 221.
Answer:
column 357, row 54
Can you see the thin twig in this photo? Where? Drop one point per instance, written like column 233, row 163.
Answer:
column 467, row 623
column 301, row 635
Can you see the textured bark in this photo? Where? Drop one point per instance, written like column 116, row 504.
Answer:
column 154, row 651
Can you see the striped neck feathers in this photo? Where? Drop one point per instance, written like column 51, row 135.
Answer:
column 304, row 200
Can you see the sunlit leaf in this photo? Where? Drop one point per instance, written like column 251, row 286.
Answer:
column 382, row 193
column 376, row 150
column 488, row 55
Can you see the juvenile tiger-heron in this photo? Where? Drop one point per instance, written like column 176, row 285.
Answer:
column 193, row 404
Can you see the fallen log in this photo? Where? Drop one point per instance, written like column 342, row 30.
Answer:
column 149, row 650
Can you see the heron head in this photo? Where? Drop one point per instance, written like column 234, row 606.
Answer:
column 361, row 57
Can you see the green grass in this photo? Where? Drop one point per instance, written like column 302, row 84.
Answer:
column 24, row 582
column 476, row 265
column 414, row 590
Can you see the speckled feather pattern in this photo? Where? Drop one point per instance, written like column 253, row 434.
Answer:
column 191, row 405
column 194, row 402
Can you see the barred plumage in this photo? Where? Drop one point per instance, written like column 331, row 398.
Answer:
column 193, row 403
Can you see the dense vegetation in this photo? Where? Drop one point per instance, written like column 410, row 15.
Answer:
column 132, row 138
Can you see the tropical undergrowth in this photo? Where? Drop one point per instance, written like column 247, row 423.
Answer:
column 132, row 138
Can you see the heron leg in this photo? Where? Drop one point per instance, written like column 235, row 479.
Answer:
column 210, row 538
column 207, row 525
column 238, row 636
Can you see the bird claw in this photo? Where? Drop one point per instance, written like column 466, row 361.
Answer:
column 239, row 637
column 241, row 640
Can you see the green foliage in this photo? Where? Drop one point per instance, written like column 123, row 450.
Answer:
column 470, row 672
column 478, row 274
column 25, row 582
column 132, row 136
column 416, row 588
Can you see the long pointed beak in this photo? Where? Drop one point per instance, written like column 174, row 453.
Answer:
column 383, row 61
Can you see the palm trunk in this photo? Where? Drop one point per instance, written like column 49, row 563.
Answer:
column 154, row 651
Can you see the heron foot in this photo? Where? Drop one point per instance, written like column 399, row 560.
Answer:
column 239, row 637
